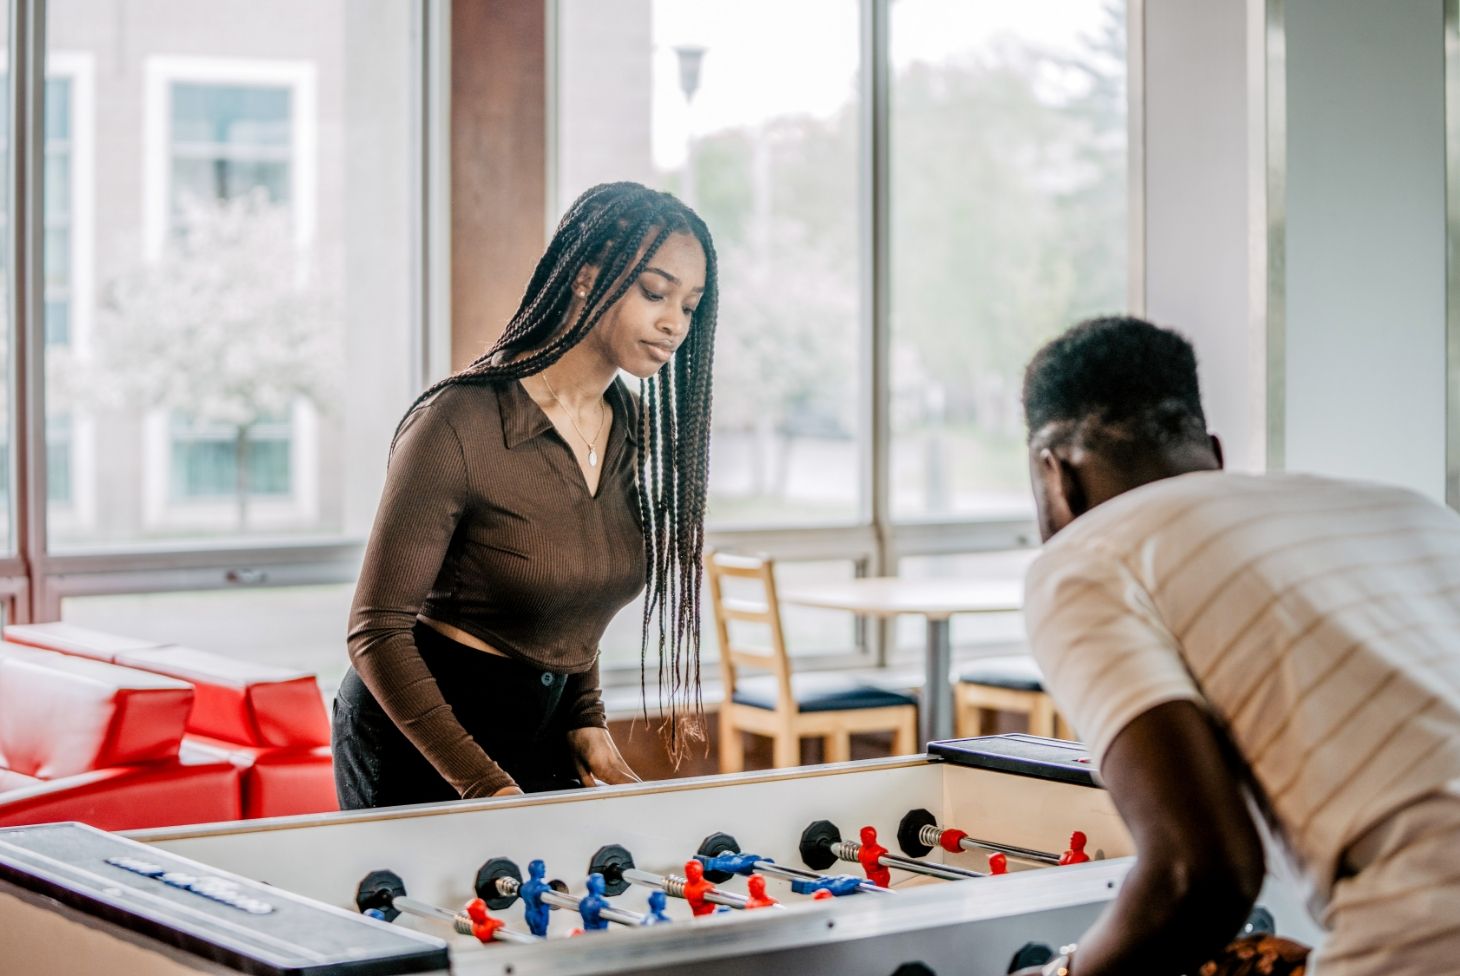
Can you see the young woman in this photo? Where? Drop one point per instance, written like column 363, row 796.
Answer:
column 529, row 498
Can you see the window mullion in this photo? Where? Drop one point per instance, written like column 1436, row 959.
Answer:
column 877, row 299
column 27, row 302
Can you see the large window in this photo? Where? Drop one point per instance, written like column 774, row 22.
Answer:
column 229, row 302
column 1008, row 190
column 60, row 206
column 68, row 219
column 757, row 129
column 253, row 331
column 231, row 142
column 64, row 240
column 994, row 144
column 228, row 294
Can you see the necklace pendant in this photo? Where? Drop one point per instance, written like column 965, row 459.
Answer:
column 592, row 458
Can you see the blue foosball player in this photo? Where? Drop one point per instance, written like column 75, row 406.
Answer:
column 837, row 884
column 656, row 913
column 531, row 892
column 732, row 863
column 591, row 905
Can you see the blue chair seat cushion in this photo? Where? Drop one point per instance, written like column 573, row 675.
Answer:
column 819, row 693
column 1015, row 673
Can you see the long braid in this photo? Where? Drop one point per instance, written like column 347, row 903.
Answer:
column 609, row 227
column 693, row 404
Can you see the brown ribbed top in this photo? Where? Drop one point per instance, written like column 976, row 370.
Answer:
column 486, row 524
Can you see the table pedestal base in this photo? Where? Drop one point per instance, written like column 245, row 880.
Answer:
column 936, row 716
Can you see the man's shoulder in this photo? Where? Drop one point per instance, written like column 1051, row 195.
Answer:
column 1173, row 514
column 1216, row 496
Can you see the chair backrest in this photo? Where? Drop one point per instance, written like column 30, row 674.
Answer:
column 764, row 610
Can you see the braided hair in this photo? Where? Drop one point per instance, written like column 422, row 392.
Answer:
column 617, row 228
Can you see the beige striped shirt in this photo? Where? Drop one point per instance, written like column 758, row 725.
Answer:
column 1317, row 620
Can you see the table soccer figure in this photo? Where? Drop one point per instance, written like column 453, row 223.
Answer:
column 696, row 888
column 591, row 905
column 1076, row 854
column 869, row 855
column 531, row 892
column 758, row 897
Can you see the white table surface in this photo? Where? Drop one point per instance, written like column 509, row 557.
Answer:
column 987, row 583
column 890, row 596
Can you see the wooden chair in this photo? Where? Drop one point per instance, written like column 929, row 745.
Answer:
column 783, row 706
column 1005, row 684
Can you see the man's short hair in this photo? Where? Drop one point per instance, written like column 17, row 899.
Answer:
column 1116, row 378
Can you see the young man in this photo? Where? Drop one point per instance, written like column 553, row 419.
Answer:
column 1216, row 637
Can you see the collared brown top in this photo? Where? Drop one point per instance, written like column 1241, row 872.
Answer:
column 486, row 523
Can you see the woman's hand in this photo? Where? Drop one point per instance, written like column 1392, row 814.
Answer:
column 597, row 758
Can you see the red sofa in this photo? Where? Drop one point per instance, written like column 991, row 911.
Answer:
column 89, row 741
column 269, row 722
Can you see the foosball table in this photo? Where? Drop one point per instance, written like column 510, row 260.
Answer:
column 974, row 860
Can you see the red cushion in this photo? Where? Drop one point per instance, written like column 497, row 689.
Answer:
column 163, row 794
column 243, row 702
column 11, row 780
column 276, row 782
column 62, row 715
column 76, row 640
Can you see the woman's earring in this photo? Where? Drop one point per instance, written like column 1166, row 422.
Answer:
column 582, row 293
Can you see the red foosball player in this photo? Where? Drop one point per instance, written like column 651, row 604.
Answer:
column 998, row 864
column 868, row 854
column 696, row 888
column 822, row 894
column 1076, row 854
column 483, row 925
column 758, row 898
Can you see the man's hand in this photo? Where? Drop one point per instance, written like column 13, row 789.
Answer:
column 597, row 758
column 509, row 791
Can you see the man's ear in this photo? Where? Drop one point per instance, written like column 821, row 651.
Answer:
column 1217, row 450
column 1063, row 491
column 1076, row 497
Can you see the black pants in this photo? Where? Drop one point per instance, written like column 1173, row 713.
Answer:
column 513, row 710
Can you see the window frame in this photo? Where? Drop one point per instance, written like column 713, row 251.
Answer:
column 79, row 69
column 162, row 75
column 877, row 540
column 34, row 580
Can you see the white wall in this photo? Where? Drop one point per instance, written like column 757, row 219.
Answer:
column 1196, row 207
column 1365, row 207
column 1360, row 332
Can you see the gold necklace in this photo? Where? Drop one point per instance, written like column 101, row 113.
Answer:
column 592, row 451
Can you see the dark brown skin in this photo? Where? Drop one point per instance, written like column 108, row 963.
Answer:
column 1199, row 859
column 1069, row 478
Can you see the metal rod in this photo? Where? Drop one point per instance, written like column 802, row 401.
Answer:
column 507, row 887
column 847, row 850
column 774, row 870
column 932, row 836
column 573, row 902
column 500, row 935
column 458, row 920
column 560, row 898
column 945, row 871
column 622, row 916
column 415, row 906
column 673, row 884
